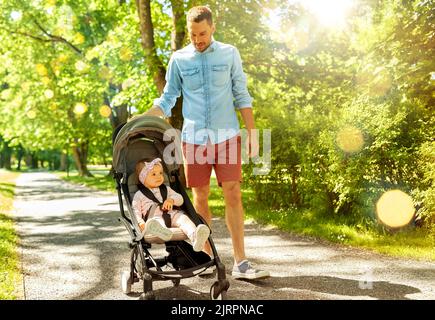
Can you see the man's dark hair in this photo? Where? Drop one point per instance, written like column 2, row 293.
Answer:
column 200, row 13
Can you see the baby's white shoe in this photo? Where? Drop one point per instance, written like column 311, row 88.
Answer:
column 201, row 236
column 155, row 228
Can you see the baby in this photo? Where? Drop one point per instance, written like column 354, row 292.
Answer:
column 150, row 175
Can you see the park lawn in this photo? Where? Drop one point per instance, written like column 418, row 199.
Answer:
column 407, row 243
column 10, row 274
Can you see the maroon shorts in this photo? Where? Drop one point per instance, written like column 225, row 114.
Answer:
column 224, row 157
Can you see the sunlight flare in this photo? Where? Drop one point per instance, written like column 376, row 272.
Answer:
column 350, row 139
column 125, row 54
column 53, row 106
column 329, row 13
column 31, row 114
column 41, row 69
column 81, row 66
column 79, row 38
column 49, row 94
column 105, row 111
column 80, row 108
column 45, row 80
column 127, row 83
column 395, row 209
column 105, row 73
column 16, row 15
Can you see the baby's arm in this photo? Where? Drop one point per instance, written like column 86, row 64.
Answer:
column 141, row 205
column 178, row 198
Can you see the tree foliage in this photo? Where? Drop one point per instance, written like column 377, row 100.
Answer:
column 350, row 109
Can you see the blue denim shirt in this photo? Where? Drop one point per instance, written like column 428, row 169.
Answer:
column 213, row 85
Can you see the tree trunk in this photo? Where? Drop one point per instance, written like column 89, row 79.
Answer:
column 119, row 114
column 178, row 24
column 28, row 160
column 177, row 41
column 63, row 161
column 32, row 160
column 295, row 193
column 1, row 152
column 153, row 61
column 20, row 155
column 147, row 35
column 6, row 155
column 80, row 155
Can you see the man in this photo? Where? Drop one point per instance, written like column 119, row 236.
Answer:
column 209, row 74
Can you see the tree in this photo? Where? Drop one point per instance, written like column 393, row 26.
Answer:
column 61, row 42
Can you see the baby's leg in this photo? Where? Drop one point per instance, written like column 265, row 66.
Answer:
column 156, row 226
column 186, row 225
column 197, row 234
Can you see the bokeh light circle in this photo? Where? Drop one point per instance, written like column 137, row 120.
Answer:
column 105, row 111
column 31, row 114
column 395, row 209
column 127, row 83
column 125, row 54
column 350, row 139
column 49, row 93
column 80, row 108
column 41, row 69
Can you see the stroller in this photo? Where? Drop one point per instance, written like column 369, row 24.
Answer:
column 147, row 137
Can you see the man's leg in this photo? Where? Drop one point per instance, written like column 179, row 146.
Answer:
column 234, row 217
column 200, row 202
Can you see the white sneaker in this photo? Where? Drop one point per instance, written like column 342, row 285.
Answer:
column 201, row 236
column 245, row 270
column 155, row 228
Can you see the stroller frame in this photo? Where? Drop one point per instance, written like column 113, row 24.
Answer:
column 143, row 266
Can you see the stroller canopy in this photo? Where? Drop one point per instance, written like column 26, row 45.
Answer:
column 145, row 137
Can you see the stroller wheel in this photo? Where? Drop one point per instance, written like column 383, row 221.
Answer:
column 217, row 292
column 147, row 296
column 126, row 282
column 176, row 282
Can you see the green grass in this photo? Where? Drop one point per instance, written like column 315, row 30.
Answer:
column 408, row 243
column 10, row 275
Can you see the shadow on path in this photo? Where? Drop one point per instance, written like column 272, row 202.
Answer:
column 333, row 286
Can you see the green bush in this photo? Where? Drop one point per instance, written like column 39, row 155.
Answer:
column 426, row 192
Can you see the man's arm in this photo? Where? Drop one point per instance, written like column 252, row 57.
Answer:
column 155, row 111
column 163, row 105
column 243, row 102
column 248, row 119
column 242, row 98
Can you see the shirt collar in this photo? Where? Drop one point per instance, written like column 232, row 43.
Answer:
column 212, row 47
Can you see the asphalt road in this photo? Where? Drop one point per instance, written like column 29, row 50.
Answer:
column 73, row 247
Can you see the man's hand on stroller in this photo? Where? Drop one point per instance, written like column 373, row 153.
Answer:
column 167, row 205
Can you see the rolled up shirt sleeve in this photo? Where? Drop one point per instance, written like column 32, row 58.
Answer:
column 242, row 98
column 172, row 88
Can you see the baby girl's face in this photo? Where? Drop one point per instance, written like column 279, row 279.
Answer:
column 155, row 177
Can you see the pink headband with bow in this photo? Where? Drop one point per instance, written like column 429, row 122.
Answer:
column 147, row 168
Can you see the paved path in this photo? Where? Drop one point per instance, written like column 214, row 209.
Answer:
column 73, row 247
